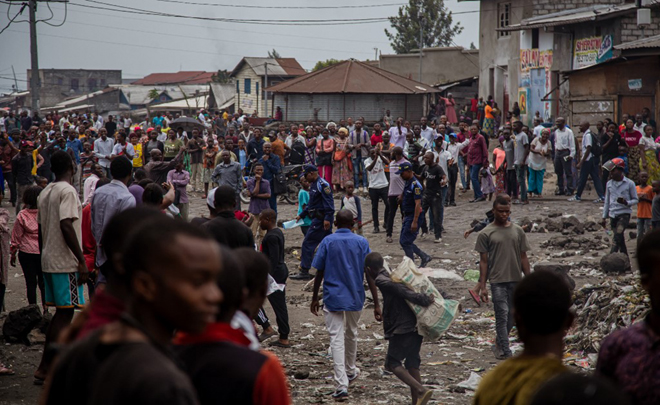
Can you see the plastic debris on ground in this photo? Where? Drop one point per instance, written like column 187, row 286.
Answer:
column 471, row 383
column 601, row 309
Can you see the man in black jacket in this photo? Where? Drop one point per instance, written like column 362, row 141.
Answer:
column 225, row 228
column 400, row 327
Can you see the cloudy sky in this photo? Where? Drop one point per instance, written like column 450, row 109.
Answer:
column 93, row 37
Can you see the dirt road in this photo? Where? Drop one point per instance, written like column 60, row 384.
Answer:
column 463, row 350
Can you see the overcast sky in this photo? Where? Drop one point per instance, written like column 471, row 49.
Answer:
column 92, row 38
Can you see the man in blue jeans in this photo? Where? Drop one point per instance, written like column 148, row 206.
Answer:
column 477, row 157
column 503, row 247
column 360, row 141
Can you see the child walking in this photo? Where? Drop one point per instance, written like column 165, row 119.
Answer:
column 400, row 327
column 352, row 203
column 644, row 206
column 303, row 200
column 25, row 242
column 487, row 184
column 272, row 246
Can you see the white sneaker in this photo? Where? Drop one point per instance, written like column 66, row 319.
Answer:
column 438, row 240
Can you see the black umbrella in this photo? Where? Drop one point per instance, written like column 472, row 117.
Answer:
column 187, row 123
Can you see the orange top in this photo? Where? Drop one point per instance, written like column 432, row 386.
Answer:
column 644, row 207
column 500, row 156
column 488, row 111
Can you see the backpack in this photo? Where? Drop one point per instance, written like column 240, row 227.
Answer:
column 596, row 147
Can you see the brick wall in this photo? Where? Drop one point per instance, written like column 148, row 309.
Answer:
column 543, row 7
column 631, row 32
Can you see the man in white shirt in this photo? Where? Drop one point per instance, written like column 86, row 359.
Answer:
column 564, row 153
column 103, row 150
column 520, row 160
column 378, row 184
column 537, row 127
column 428, row 133
column 453, row 148
column 639, row 124
column 398, row 133
column 588, row 165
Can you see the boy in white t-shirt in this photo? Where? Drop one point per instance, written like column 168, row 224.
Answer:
column 378, row 185
column 351, row 202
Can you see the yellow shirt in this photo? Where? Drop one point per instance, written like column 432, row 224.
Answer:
column 516, row 380
column 225, row 116
column 34, row 161
column 137, row 159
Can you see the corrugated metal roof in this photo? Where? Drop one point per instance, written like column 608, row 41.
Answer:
column 276, row 67
column 183, row 104
column 352, row 76
column 649, row 42
column 222, row 92
column 139, row 95
column 191, row 77
column 575, row 16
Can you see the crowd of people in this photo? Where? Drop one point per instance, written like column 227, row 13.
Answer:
column 105, row 204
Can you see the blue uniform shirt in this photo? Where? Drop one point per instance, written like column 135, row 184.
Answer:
column 320, row 199
column 341, row 258
column 411, row 191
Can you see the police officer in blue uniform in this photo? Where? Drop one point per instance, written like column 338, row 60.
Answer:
column 321, row 209
column 411, row 205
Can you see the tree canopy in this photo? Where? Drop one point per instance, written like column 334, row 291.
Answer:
column 432, row 16
column 274, row 54
column 222, row 76
column 324, row 64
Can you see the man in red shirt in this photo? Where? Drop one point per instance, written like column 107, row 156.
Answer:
column 477, row 157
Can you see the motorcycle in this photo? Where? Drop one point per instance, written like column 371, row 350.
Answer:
column 290, row 196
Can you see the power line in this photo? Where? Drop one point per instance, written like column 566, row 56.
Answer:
column 282, row 7
column 207, row 39
column 142, row 20
column 11, row 20
column 133, row 10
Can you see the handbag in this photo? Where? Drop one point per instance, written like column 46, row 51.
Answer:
column 279, row 183
column 324, row 159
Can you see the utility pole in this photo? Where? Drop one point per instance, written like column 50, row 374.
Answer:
column 421, row 47
column 15, row 81
column 34, row 79
column 376, row 56
column 266, row 91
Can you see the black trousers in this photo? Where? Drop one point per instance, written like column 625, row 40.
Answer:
column 619, row 225
column 278, row 302
column 393, row 206
column 31, row 265
column 435, row 203
column 11, row 181
column 378, row 194
column 453, row 178
column 511, row 183
column 563, row 167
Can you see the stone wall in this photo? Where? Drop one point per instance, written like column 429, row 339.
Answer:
column 631, row 32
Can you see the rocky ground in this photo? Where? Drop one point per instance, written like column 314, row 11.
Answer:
column 564, row 236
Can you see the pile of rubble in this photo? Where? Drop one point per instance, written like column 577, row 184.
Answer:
column 583, row 243
column 600, row 309
column 556, row 222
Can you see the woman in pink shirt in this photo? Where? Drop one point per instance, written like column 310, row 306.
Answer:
column 325, row 148
column 632, row 138
column 25, row 242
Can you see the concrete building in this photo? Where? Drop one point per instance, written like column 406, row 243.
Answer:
column 250, row 81
column 351, row 89
column 529, row 49
column 440, row 66
column 60, row 84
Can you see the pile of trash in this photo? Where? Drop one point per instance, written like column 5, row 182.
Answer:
column 601, row 309
column 556, row 222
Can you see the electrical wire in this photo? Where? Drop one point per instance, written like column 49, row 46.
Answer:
column 133, row 10
column 66, row 8
column 281, row 7
column 11, row 20
column 233, row 31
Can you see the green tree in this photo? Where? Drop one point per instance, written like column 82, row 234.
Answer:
column 324, row 64
column 432, row 16
column 274, row 54
column 154, row 93
column 222, row 76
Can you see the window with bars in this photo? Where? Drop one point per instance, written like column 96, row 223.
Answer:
column 504, row 18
